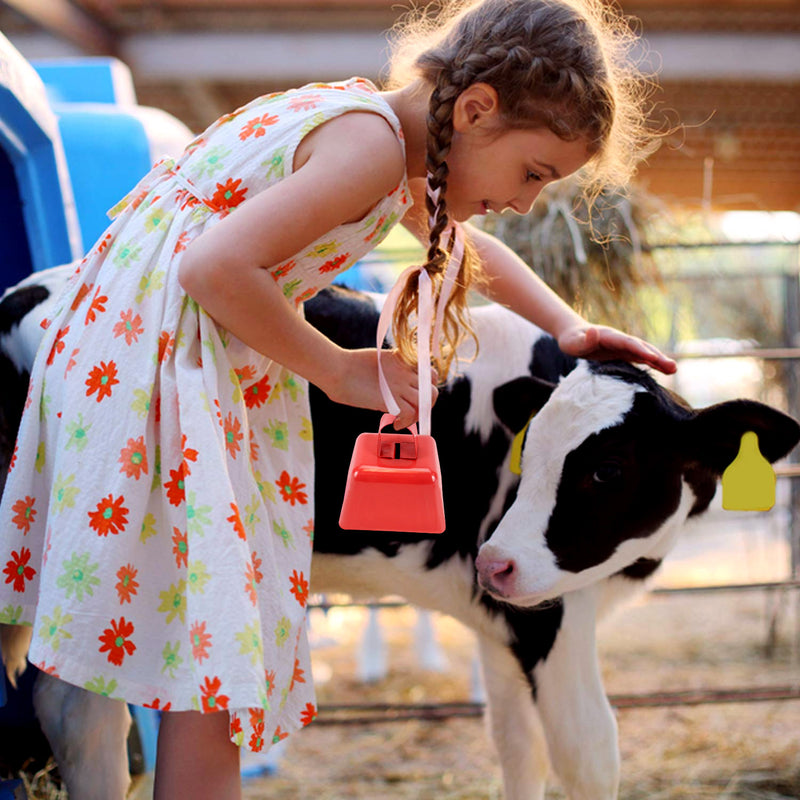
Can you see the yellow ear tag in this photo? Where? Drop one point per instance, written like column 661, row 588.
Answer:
column 515, row 461
column 748, row 484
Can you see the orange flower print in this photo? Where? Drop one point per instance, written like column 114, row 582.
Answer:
column 79, row 297
column 256, row 716
column 309, row 714
column 246, row 373
column 305, row 295
column 334, row 263
column 253, row 576
column 116, row 641
column 283, row 269
column 127, row 584
column 104, row 243
column 210, row 697
column 200, row 640
column 101, row 379
column 180, row 548
column 176, row 485
column 236, row 726
column 305, row 102
column 156, row 704
column 290, row 489
column 257, row 126
column 269, row 681
column 96, row 307
column 380, row 222
column 256, row 394
column 298, row 676
column 24, row 514
column 279, row 735
column 228, row 195
column 166, row 342
column 72, row 362
column 109, row 517
column 257, row 739
column 299, row 587
column 253, row 446
column 183, row 239
column 133, row 458
column 188, row 454
column 236, row 520
column 186, row 200
column 58, row 345
column 18, row 570
column 129, row 326
column 232, row 429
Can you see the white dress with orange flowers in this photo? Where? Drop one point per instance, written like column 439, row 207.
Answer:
column 157, row 522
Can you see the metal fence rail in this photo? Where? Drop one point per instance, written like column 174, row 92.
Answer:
column 378, row 713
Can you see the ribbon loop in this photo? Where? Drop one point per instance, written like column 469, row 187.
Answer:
column 425, row 322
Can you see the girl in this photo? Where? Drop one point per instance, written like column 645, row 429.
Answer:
column 157, row 520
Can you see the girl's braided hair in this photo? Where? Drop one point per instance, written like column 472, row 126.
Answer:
column 564, row 65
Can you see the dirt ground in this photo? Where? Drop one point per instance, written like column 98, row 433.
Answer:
column 667, row 643
column 659, row 643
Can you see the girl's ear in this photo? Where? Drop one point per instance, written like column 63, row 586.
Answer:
column 477, row 105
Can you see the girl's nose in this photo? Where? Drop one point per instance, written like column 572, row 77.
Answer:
column 524, row 203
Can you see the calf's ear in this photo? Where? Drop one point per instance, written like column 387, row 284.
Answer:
column 516, row 401
column 714, row 433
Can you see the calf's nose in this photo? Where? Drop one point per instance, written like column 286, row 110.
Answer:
column 496, row 575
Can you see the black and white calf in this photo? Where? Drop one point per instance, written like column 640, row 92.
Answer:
column 612, row 466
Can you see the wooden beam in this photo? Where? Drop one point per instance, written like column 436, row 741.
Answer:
column 67, row 21
column 99, row 5
column 239, row 5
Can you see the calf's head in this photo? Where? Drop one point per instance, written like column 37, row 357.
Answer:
column 612, row 466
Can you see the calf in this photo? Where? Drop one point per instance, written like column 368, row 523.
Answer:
column 612, row 466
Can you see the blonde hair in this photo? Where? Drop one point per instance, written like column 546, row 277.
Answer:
column 565, row 65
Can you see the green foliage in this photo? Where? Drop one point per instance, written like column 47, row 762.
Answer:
column 596, row 258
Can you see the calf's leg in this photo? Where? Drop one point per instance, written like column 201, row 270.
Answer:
column 578, row 721
column 514, row 724
column 88, row 734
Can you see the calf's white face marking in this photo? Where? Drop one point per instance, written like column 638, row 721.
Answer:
column 517, row 564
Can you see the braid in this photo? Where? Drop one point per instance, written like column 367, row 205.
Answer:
column 440, row 135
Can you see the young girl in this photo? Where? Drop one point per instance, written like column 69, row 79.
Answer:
column 157, row 520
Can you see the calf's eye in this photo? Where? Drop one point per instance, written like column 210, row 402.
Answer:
column 606, row 473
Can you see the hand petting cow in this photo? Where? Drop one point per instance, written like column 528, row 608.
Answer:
column 612, row 465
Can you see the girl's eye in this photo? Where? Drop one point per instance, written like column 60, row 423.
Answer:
column 532, row 176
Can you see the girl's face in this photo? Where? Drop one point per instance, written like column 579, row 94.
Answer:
column 492, row 169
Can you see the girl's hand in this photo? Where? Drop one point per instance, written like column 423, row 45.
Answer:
column 358, row 384
column 602, row 343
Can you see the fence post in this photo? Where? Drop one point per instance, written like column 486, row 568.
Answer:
column 791, row 296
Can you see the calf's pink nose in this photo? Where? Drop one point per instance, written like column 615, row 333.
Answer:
column 497, row 574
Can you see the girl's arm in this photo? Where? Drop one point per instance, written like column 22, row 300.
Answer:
column 341, row 170
column 513, row 284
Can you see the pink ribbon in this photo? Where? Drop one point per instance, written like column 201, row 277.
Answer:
column 425, row 319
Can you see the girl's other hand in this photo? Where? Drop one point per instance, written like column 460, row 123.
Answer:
column 602, row 343
column 357, row 384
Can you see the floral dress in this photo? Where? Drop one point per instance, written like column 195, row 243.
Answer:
column 157, row 523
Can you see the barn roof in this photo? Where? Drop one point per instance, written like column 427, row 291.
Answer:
column 729, row 72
